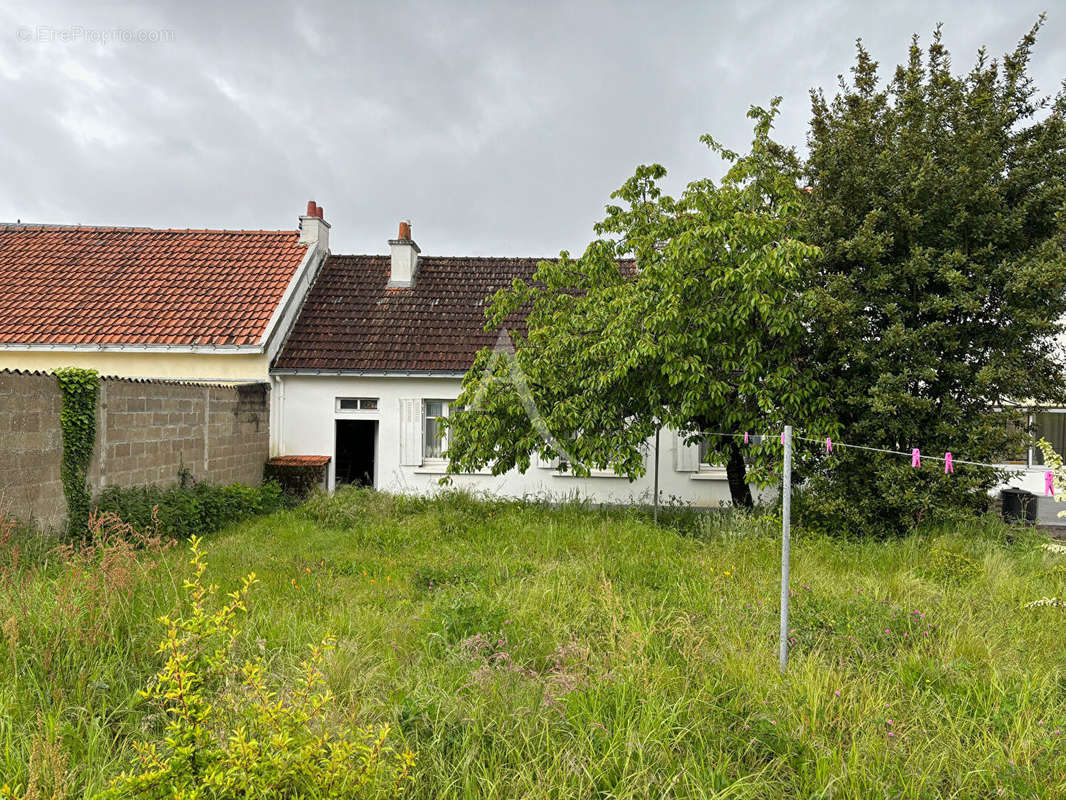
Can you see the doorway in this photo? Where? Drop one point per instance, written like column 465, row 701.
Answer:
column 356, row 443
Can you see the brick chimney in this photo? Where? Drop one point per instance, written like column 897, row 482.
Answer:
column 314, row 230
column 404, row 257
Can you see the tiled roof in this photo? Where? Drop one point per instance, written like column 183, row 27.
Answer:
column 87, row 285
column 352, row 321
column 298, row 461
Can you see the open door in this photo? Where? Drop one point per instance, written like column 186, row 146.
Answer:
column 356, row 446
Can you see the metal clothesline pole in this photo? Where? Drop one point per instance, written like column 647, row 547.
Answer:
column 786, row 537
column 786, row 505
column 656, row 512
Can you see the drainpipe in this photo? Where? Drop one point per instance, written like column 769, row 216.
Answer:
column 277, row 419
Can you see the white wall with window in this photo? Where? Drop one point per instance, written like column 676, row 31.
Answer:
column 410, row 450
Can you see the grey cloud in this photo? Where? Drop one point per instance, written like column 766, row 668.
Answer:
column 498, row 129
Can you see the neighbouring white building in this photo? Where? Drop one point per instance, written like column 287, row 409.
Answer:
column 376, row 357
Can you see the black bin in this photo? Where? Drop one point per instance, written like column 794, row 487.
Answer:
column 1019, row 506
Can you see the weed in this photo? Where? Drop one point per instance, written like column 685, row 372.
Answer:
column 571, row 651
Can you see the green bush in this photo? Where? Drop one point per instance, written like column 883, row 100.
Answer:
column 229, row 732
column 191, row 508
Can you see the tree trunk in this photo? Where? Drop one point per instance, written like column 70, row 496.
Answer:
column 736, row 472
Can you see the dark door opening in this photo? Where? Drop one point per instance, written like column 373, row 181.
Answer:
column 356, row 439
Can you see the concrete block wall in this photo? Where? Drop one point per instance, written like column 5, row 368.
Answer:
column 147, row 431
column 30, row 448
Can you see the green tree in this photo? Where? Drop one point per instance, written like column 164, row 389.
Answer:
column 686, row 313
column 938, row 205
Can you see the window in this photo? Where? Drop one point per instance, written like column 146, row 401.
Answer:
column 434, row 443
column 710, row 459
column 1049, row 425
column 357, row 404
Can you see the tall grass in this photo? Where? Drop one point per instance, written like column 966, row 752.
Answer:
column 532, row 651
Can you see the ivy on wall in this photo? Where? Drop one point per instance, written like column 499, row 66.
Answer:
column 78, row 424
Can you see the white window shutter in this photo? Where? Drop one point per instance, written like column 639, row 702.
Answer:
column 411, row 432
column 686, row 456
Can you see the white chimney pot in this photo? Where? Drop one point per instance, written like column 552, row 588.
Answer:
column 404, row 258
column 314, row 230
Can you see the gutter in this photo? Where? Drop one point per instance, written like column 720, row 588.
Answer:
column 367, row 373
column 200, row 349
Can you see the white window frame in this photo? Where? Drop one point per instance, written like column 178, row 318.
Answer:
column 365, row 405
column 704, row 466
column 445, row 408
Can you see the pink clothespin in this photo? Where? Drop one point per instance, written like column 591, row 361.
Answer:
column 782, row 437
column 828, row 445
column 916, row 458
column 1049, row 484
column 948, row 466
column 745, row 437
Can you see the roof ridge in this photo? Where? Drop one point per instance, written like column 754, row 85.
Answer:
column 43, row 226
column 450, row 258
column 462, row 258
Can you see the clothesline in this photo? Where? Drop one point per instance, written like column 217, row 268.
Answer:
column 945, row 459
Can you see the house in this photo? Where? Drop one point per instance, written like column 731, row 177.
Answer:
column 191, row 305
column 376, row 357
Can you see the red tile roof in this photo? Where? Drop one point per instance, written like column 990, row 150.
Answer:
column 87, row 285
column 352, row 321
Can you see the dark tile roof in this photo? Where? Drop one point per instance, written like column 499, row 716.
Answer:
column 89, row 285
column 351, row 320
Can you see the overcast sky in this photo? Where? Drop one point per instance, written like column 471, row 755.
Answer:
column 497, row 128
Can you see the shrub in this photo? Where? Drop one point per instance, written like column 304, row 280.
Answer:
column 191, row 508
column 228, row 732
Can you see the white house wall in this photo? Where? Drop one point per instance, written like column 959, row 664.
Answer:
column 305, row 414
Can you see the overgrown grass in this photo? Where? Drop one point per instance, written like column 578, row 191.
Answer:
column 528, row 651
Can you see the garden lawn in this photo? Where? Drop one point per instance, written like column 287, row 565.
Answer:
column 526, row 651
